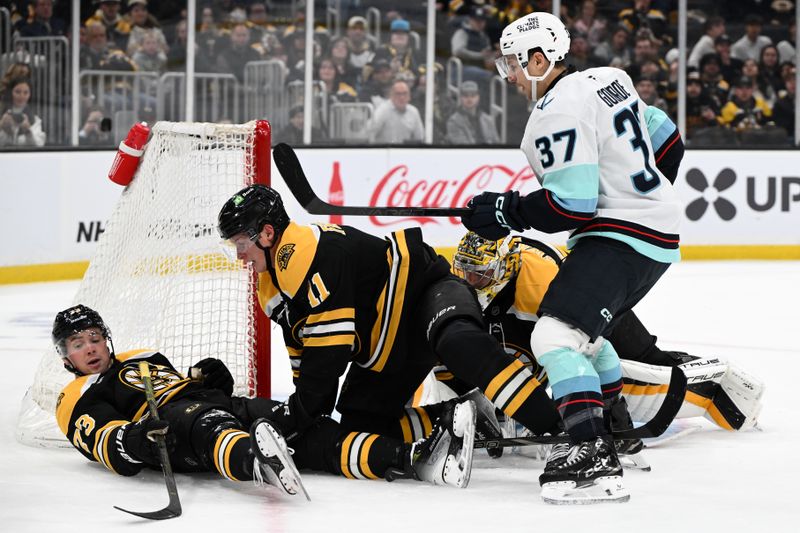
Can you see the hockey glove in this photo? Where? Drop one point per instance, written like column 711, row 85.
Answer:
column 214, row 374
column 140, row 443
column 494, row 215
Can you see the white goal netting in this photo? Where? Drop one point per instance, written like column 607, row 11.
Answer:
column 158, row 277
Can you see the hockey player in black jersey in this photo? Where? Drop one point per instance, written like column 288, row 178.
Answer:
column 103, row 412
column 387, row 307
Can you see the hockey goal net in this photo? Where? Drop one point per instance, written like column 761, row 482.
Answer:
column 158, row 277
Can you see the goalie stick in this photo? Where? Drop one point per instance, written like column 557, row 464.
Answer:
column 292, row 172
column 173, row 509
column 673, row 400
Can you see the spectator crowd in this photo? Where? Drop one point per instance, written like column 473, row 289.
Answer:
column 740, row 81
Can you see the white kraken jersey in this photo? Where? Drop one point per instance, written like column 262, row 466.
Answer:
column 587, row 140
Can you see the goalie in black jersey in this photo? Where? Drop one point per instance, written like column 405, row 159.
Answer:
column 103, row 412
column 389, row 308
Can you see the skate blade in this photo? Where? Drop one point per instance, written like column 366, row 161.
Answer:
column 457, row 468
column 289, row 479
column 634, row 462
column 602, row 490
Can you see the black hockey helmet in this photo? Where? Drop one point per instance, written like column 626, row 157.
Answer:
column 74, row 320
column 249, row 209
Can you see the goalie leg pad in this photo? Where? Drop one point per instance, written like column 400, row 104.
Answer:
column 737, row 403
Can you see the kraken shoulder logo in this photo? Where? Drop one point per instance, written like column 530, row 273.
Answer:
column 283, row 256
column 710, row 194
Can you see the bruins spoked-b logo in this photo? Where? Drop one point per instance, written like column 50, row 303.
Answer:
column 161, row 377
column 710, row 194
column 283, row 256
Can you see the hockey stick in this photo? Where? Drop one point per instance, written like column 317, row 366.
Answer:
column 673, row 400
column 292, row 172
column 173, row 509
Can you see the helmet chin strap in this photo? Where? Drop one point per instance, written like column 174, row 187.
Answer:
column 534, row 79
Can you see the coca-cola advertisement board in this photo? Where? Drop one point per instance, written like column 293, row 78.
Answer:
column 409, row 178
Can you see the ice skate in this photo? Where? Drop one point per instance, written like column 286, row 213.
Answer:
column 445, row 456
column 486, row 425
column 589, row 473
column 273, row 460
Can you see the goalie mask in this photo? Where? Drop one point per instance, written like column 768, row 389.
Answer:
column 486, row 265
column 72, row 321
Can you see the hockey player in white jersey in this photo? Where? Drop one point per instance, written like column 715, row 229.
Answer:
column 588, row 143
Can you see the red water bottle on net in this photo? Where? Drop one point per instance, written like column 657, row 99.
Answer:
column 129, row 154
column 336, row 192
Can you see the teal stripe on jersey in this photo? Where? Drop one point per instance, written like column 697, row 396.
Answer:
column 655, row 253
column 575, row 187
column 659, row 126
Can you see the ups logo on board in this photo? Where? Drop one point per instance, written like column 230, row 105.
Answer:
column 283, row 256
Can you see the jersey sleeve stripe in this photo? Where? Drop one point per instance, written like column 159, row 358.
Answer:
column 661, row 152
column 325, row 329
column 578, row 184
column 100, row 451
column 331, row 340
column 332, row 316
column 561, row 210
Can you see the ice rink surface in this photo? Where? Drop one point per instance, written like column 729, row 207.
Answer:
column 709, row 481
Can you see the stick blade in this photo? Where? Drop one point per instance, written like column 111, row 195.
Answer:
column 163, row 514
column 292, row 172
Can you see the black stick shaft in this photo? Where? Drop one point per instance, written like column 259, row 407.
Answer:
column 173, row 508
column 292, row 171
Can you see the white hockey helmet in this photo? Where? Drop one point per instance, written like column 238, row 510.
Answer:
column 536, row 30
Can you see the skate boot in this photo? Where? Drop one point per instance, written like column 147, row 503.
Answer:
column 590, row 473
column 555, row 455
column 445, row 456
column 486, row 425
column 272, row 459
column 628, row 450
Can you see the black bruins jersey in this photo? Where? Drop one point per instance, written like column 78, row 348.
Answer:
column 91, row 409
column 341, row 296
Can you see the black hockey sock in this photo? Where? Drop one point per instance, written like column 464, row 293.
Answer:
column 611, row 395
column 369, row 456
column 477, row 358
column 582, row 413
column 232, row 456
column 417, row 422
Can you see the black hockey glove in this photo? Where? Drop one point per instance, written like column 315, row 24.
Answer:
column 494, row 215
column 214, row 374
column 140, row 443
